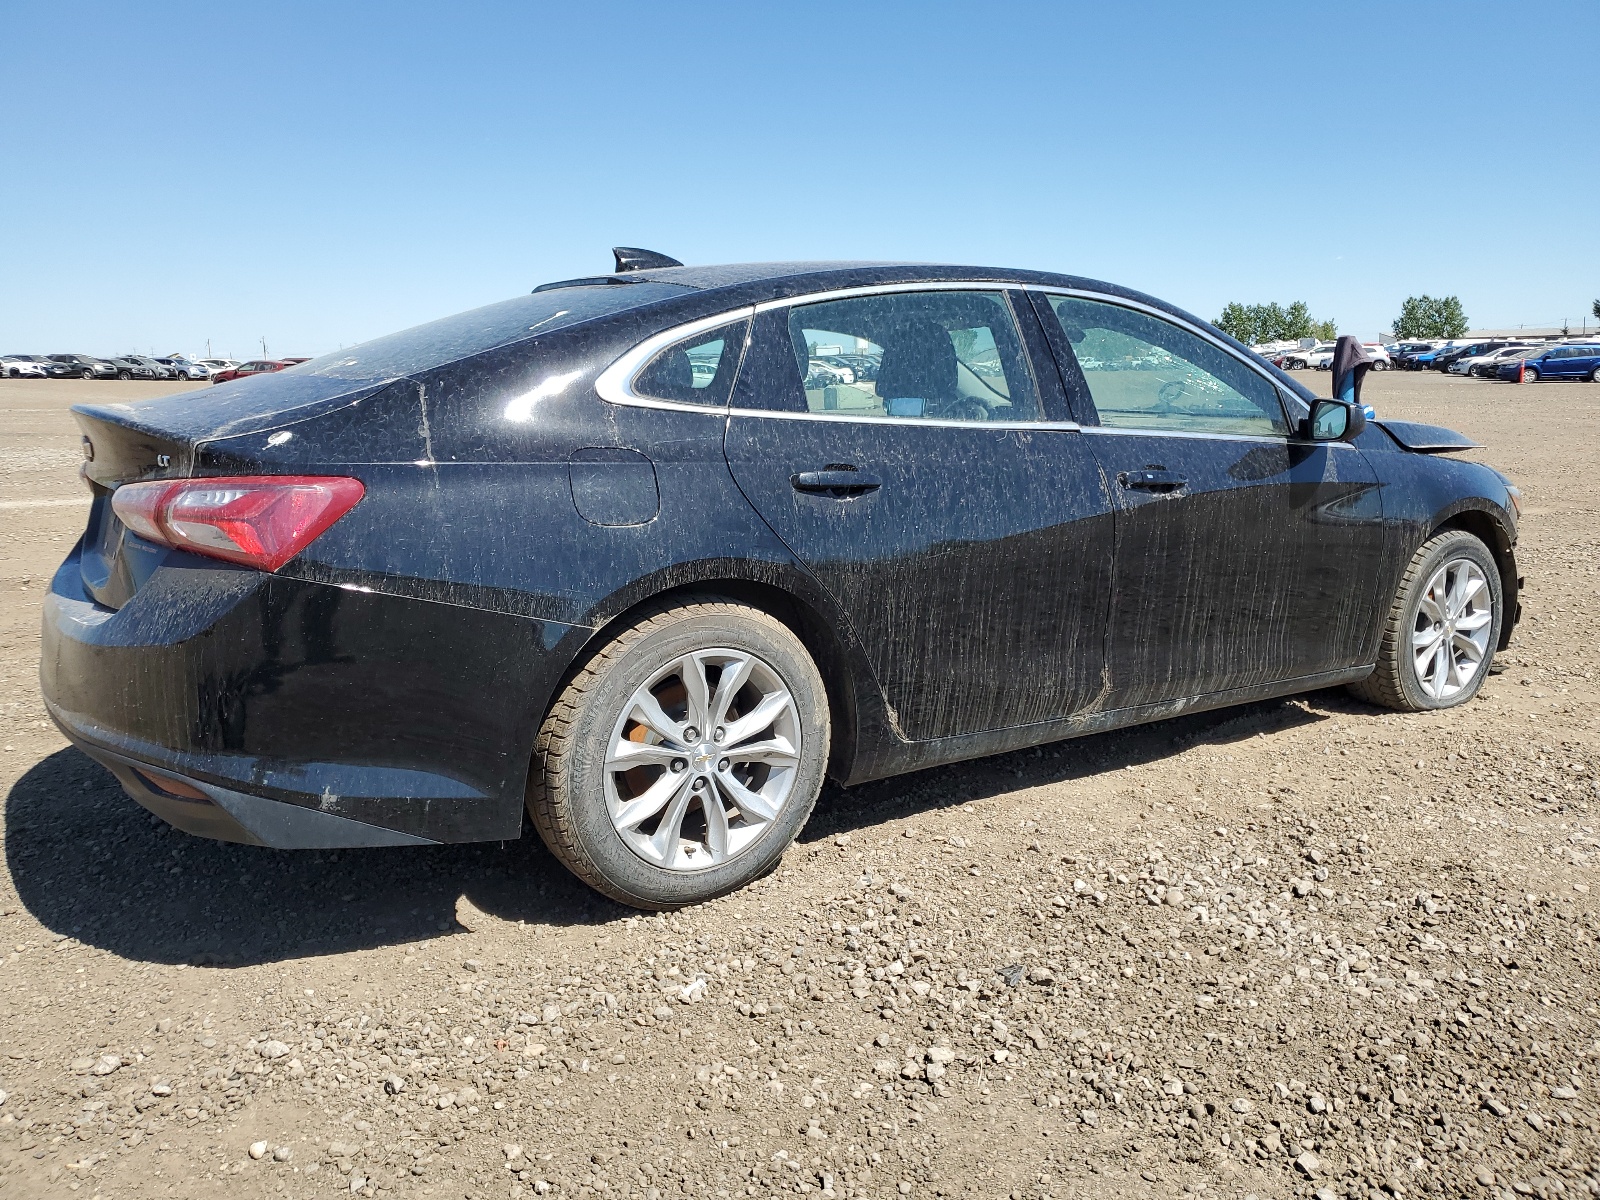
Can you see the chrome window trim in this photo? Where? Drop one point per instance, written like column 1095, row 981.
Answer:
column 615, row 384
column 919, row 422
column 1162, row 315
column 1272, row 440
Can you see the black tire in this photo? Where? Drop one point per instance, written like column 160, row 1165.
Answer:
column 566, row 794
column 1394, row 683
column 87, row 373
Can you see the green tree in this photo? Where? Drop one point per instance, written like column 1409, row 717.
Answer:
column 1253, row 323
column 1239, row 321
column 1595, row 309
column 1431, row 317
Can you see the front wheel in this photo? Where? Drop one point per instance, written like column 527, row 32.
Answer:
column 684, row 757
column 1594, row 375
column 1442, row 630
column 1529, row 375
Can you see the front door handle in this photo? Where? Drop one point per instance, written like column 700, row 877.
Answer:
column 1152, row 481
column 836, row 483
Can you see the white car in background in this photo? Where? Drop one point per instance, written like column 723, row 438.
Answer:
column 214, row 365
column 1490, row 360
column 20, row 366
column 1319, row 356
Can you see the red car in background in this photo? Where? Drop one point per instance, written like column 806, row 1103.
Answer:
column 256, row 366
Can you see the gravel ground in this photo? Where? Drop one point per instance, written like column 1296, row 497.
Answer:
column 1301, row 948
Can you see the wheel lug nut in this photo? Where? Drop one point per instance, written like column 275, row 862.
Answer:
column 678, row 765
column 719, row 734
column 699, row 785
column 723, row 765
column 691, row 734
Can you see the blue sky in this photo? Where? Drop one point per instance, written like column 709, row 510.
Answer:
column 322, row 173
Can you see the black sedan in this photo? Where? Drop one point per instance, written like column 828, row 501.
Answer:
column 598, row 555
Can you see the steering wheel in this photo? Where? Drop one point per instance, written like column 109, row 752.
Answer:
column 1169, row 393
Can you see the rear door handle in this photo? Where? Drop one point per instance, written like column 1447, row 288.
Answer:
column 1152, row 481
column 838, row 484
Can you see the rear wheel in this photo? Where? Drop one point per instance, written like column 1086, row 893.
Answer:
column 1594, row 375
column 1442, row 630
column 684, row 757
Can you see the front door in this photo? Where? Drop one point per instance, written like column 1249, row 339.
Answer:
column 897, row 443
column 1244, row 556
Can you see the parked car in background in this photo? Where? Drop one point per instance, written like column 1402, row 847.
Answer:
column 256, row 366
column 213, row 365
column 1445, row 359
column 1490, row 368
column 159, row 369
column 128, row 368
column 1555, row 362
column 1317, row 356
column 652, row 608
column 293, row 361
column 23, row 366
column 1403, row 355
column 85, row 367
column 1468, row 364
column 182, row 368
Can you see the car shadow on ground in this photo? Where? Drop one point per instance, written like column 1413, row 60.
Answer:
column 840, row 810
column 89, row 863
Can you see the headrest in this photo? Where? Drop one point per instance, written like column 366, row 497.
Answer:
column 918, row 360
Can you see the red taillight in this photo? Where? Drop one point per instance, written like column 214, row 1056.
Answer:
column 261, row 521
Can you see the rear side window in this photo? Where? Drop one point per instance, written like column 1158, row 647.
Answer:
column 1147, row 373
column 936, row 355
column 697, row 370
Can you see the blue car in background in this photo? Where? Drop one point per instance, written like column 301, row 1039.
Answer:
column 1557, row 362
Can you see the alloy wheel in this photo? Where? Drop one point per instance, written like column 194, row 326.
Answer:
column 1450, row 632
column 702, row 760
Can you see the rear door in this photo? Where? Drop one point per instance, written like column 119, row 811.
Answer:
column 1244, row 557
column 961, row 524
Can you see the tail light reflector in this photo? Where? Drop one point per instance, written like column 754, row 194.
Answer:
column 259, row 521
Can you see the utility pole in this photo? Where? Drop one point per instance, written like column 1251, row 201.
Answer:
column 263, row 345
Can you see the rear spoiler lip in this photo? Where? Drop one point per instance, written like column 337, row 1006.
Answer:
column 1426, row 439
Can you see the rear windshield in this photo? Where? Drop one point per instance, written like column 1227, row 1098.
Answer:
column 424, row 347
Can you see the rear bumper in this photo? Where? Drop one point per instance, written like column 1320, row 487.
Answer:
column 306, row 714
column 225, row 815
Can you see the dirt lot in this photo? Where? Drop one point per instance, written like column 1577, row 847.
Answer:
column 1300, row 948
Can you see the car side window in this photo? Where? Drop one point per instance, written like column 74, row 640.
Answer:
column 697, row 370
column 935, row 355
column 1147, row 373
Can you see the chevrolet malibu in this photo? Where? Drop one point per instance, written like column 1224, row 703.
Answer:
column 614, row 556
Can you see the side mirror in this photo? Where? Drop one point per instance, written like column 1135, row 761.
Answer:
column 1333, row 421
